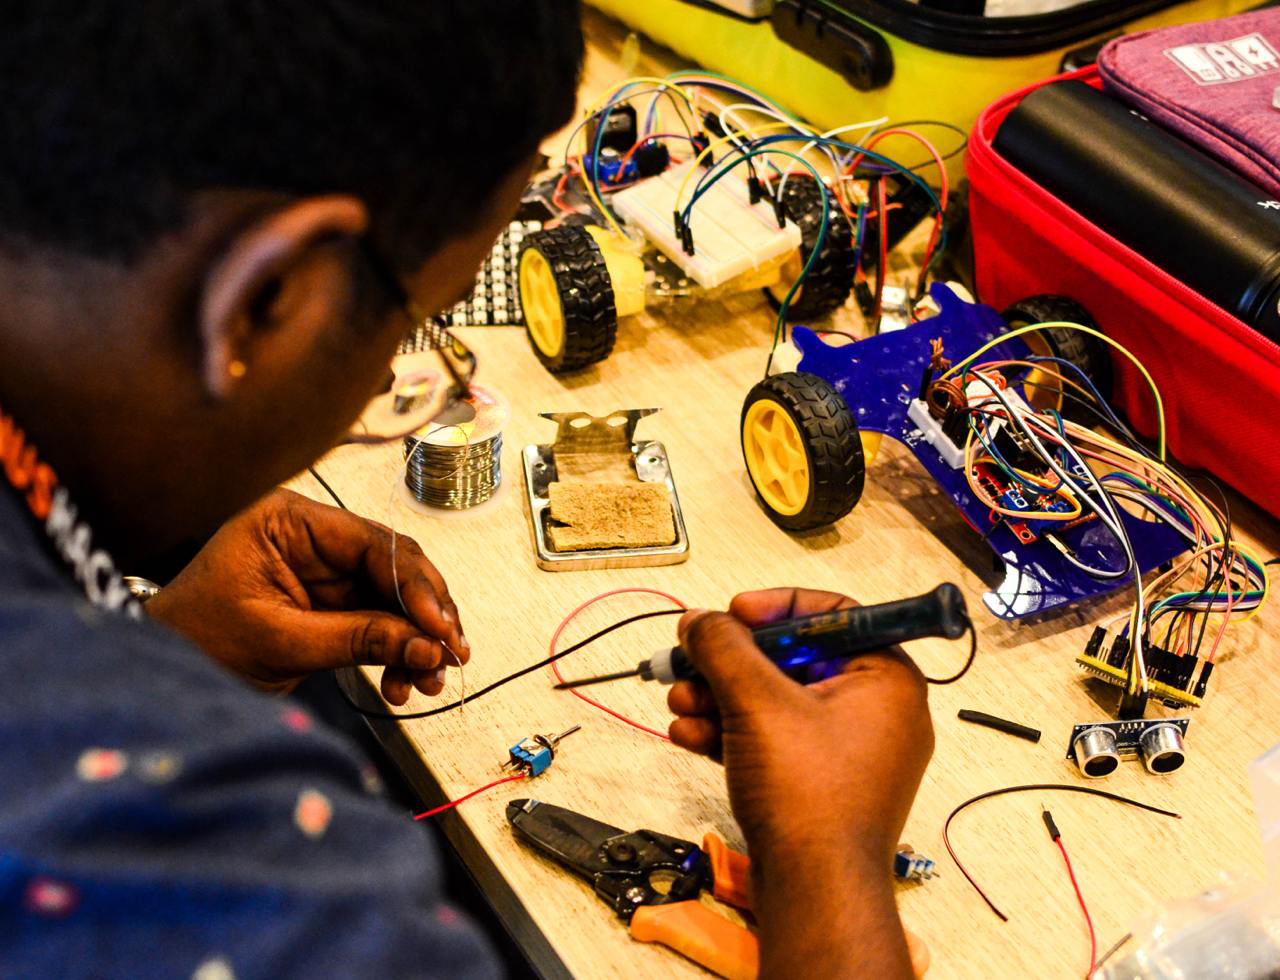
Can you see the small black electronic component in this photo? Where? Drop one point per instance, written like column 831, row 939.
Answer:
column 651, row 158
column 1016, row 449
column 1054, row 833
column 1097, row 748
column 701, row 142
column 1179, row 680
column 999, row 724
column 620, row 129
column 908, row 865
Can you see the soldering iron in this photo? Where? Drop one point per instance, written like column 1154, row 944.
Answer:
column 812, row 647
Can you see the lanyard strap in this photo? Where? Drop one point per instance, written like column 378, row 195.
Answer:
column 70, row 536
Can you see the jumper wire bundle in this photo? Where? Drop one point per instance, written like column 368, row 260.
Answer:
column 1070, row 473
column 724, row 127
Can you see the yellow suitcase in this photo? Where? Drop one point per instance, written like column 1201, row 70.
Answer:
column 832, row 61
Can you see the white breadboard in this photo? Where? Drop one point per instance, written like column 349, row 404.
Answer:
column 730, row 235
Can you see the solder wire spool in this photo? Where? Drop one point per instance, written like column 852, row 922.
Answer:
column 455, row 462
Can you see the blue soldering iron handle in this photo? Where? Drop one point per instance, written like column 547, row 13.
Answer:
column 798, row 644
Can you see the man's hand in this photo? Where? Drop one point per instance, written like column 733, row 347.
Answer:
column 290, row 587
column 821, row 779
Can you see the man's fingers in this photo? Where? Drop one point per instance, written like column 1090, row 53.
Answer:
column 429, row 682
column 424, row 654
column 722, row 650
column 322, row 640
column 701, row 735
column 429, row 606
column 691, row 698
column 399, row 682
column 352, row 545
column 771, row 605
column 396, row 685
column 422, row 589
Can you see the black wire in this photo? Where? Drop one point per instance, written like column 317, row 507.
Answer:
column 378, row 713
column 1066, row 787
column 320, row 480
column 372, row 713
column 973, row 650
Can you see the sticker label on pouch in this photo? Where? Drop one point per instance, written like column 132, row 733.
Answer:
column 1227, row 61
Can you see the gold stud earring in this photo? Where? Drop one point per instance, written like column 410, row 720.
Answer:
column 236, row 369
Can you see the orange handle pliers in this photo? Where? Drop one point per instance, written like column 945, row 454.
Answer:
column 624, row 867
column 691, row 928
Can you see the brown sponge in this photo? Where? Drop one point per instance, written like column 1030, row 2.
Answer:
column 610, row 515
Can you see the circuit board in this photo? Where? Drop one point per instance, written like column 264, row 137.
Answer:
column 1179, row 680
column 1128, row 734
column 879, row 378
column 731, row 234
column 1013, row 497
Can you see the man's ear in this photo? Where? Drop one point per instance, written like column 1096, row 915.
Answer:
column 250, row 271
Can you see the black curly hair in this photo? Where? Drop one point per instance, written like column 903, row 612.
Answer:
column 114, row 112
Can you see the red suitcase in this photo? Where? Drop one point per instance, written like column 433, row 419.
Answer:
column 1220, row 379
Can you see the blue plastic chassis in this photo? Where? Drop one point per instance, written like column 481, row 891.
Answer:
column 878, row 377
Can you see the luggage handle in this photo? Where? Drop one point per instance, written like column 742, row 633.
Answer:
column 847, row 46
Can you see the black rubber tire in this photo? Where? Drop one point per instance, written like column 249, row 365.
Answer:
column 1089, row 354
column 831, row 279
column 586, row 297
column 832, row 446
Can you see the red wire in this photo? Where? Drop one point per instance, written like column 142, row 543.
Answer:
column 463, row 799
column 1093, row 941
column 555, row 640
column 942, row 181
column 557, row 195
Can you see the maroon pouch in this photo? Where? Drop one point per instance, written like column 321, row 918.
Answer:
column 1215, row 84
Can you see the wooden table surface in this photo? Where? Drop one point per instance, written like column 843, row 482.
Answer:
column 697, row 362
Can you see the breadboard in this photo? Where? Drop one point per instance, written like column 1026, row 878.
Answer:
column 730, row 234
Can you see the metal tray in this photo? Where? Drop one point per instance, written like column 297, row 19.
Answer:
column 651, row 466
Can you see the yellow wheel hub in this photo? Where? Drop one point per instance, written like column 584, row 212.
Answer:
column 787, row 276
column 540, row 299
column 870, row 446
column 776, row 457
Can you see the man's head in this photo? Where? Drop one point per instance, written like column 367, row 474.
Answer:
column 190, row 196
